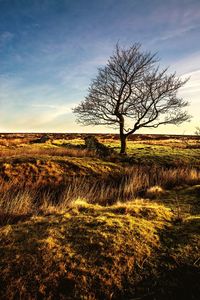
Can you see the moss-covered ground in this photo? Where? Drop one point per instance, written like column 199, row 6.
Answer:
column 161, row 152
column 86, row 252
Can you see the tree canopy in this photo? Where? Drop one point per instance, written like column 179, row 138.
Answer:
column 132, row 92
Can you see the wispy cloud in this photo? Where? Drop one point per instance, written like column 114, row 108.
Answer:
column 46, row 113
column 187, row 64
column 43, row 115
column 5, row 38
column 30, row 106
column 193, row 84
column 174, row 33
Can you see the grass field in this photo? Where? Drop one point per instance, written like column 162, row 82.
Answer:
column 78, row 225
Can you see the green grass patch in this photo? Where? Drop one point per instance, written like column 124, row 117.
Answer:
column 165, row 155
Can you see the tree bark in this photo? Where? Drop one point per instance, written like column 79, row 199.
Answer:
column 122, row 135
column 123, row 143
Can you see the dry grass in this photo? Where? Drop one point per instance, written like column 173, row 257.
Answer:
column 181, row 142
column 20, row 200
column 154, row 192
column 54, row 171
column 76, row 227
column 147, row 177
column 15, row 206
column 54, row 151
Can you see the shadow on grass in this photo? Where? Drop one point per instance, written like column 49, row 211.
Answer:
column 177, row 272
column 180, row 283
column 7, row 218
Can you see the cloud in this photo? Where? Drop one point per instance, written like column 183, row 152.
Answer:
column 37, row 117
column 46, row 113
column 5, row 38
column 55, row 57
column 79, row 77
column 174, row 33
column 182, row 13
column 187, row 64
column 29, row 106
column 193, row 84
column 191, row 92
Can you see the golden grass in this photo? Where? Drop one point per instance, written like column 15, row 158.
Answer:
column 56, row 170
column 60, row 237
column 154, row 192
column 50, row 151
column 20, row 198
column 37, row 171
column 87, row 252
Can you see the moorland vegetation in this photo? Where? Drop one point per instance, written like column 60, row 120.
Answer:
column 78, row 224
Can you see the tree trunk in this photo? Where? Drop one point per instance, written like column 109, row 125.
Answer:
column 122, row 135
column 123, row 144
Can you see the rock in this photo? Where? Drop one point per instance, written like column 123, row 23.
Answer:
column 92, row 143
column 41, row 140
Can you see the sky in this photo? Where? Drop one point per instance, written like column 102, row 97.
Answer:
column 50, row 51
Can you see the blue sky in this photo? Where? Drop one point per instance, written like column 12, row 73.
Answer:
column 51, row 49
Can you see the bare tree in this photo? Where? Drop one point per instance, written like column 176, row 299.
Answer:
column 131, row 92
